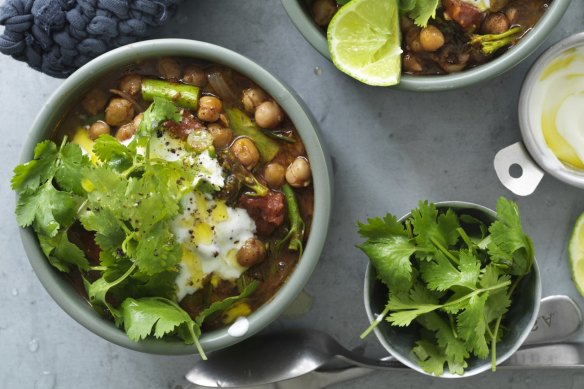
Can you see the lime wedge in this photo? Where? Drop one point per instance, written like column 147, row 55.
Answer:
column 364, row 41
column 576, row 254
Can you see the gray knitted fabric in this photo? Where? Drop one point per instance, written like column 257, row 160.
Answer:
column 58, row 36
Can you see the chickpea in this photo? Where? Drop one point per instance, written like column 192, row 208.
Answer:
column 224, row 120
column 209, row 108
column 431, row 38
column 94, row 101
column 512, row 14
column 452, row 63
column 323, row 11
column 97, row 129
column 195, row 75
column 268, row 114
column 131, row 84
column 411, row 63
column 125, row 132
column 137, row 120
column 252, row 97
column 413, row 40
column 495, row 23
column 251, row 253
column 169, row 69
column 221, row 135
column 246, row 152
column 118, row 112
column 298, row 173
column 274, row 174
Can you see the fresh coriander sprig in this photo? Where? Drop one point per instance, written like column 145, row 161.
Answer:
column 451, row 274
column 128, row 199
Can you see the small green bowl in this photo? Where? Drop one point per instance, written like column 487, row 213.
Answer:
column 80, row 82
column 519, row 320
column 299, row 13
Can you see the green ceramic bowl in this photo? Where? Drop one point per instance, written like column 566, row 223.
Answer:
column 82, row 80
column 299, row 13
column 518, row 321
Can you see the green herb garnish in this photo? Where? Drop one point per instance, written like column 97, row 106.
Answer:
column 128, row 199
column 420, row 11
column 451, row 274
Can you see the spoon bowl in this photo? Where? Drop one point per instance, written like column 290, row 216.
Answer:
column 261, row 360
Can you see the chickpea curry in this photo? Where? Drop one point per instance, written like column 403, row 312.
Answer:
column 178, row 186
column 461, row 34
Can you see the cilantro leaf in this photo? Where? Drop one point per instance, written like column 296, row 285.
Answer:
column 420, row 11
column 105, row 188
column 152, row 316
column 378, row 228
column 158, row 316
column 97, row 291
column 509, row 245
column 153, row 200
column 447, row 340
column 47, row 209
column 430, row 357
column 160, row 110
column 157, row 250
column 471, row 325
column 61, row 253
column 109, row 234
column 111, row 152
column 29, row 176
column 142, row 285
column 391, row 258
column 69, row 171
column 407, row 306
column 498, row 302
column 432, row 229
column 406, row 5
column 440, row 274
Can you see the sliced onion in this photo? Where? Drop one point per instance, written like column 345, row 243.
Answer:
column 222, row 83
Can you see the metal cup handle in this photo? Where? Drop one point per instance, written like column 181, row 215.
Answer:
column 531, row 174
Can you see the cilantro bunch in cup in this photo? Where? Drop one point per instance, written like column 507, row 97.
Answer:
column 452, row 288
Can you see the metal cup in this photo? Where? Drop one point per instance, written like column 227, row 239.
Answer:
column 533, row 155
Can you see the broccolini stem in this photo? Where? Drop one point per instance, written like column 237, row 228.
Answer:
column 296, row 232
column 492, row 42
column 244, row 176
column 186, row 96
column 242, row 125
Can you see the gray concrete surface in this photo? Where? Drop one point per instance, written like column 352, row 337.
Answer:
column 390, row 149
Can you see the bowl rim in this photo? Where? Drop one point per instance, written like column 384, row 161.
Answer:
column 536, row 146
column 487, row 365
column 58, row 104
column 314, row 35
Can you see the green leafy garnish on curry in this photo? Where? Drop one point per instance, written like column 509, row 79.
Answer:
column 451, row 274
column 170, row 218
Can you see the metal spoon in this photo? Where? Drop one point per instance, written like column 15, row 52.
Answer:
column 282, row 356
